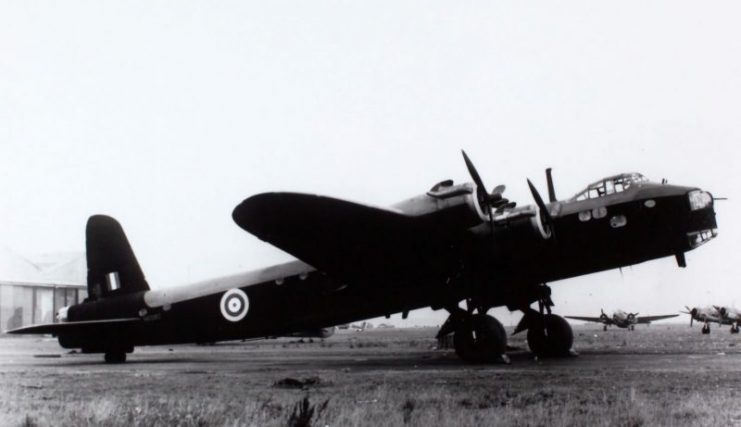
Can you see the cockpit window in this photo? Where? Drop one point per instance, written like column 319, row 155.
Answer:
column 611, row 185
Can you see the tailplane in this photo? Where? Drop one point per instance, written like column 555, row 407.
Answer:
column 112, row 268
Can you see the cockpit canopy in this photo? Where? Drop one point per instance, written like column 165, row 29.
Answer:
column 610, row 185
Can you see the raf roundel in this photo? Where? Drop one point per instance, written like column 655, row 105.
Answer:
column 234, row 305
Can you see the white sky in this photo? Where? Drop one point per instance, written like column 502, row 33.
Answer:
column 166, row 115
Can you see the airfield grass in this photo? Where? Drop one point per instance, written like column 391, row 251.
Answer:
column 373, row 389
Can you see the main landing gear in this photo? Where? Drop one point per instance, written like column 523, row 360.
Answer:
column 548, row 335
column 705, row 329
column 734, row 328
column 477, row 338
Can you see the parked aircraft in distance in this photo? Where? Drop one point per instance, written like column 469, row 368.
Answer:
column 622, row 319
column 714, row 314
column 729, row 316
column 452, row 244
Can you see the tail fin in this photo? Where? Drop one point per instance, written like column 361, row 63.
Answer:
column 112, row 268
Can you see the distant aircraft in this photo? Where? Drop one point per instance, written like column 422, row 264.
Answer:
column 359, row 327
column 707, row 315
column 452, row 244
column 729, row 316
column 622, row 319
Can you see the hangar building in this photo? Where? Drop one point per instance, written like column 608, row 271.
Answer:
column 32, row 291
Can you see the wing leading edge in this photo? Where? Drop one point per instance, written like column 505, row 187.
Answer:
column 649, row 319
column 591, row 319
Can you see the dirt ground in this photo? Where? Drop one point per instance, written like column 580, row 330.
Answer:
column 657, row 375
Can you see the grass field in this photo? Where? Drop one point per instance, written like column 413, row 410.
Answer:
column 663, row 375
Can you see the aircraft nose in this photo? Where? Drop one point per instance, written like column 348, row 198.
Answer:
column 701, row 225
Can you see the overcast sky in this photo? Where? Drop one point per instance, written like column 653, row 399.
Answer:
column 166, row 115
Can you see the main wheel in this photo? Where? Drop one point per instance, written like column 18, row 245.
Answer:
column 552, row 340
column 734, row 329
column 115, row 357
column 480, row 339
column 706, row 329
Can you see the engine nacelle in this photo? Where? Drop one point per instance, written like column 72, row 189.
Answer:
column 446, row 205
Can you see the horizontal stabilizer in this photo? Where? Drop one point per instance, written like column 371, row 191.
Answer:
column 71, row 327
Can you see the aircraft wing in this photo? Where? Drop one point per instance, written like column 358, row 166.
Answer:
column 349, row 239
column 649, row 319
column 591, row 319
column 72, row 327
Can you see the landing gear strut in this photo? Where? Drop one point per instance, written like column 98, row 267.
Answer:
column 706, row 329
column 734, row 328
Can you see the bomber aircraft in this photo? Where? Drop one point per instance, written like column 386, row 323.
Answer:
column 714, row 314
column 622, row 319
column 729, row 316
column 455, row 243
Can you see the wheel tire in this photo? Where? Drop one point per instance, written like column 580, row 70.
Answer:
column 705, row 330
column 604, row 328
column 486, row 346
column 734, row 330
column 115, row 357
column 556, row 343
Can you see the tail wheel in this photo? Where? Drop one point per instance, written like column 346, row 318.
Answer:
column 554, row 339
column 480, row 339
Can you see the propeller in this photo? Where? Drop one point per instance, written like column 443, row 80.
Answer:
column 692, row 312
column 486, row 200
column 545, row 216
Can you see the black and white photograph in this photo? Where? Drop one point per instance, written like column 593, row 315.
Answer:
column 370, row 213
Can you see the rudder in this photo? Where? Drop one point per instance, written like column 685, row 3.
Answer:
column 112, row 268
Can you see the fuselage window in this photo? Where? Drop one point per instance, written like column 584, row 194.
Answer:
column 618, row 221
column 599, row 212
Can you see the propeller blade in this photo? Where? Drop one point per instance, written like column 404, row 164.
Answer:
column 545, row 216
column 551, row 188
column 691, row 319
column 496, row 193
column 539, row 202
column 480, row 187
